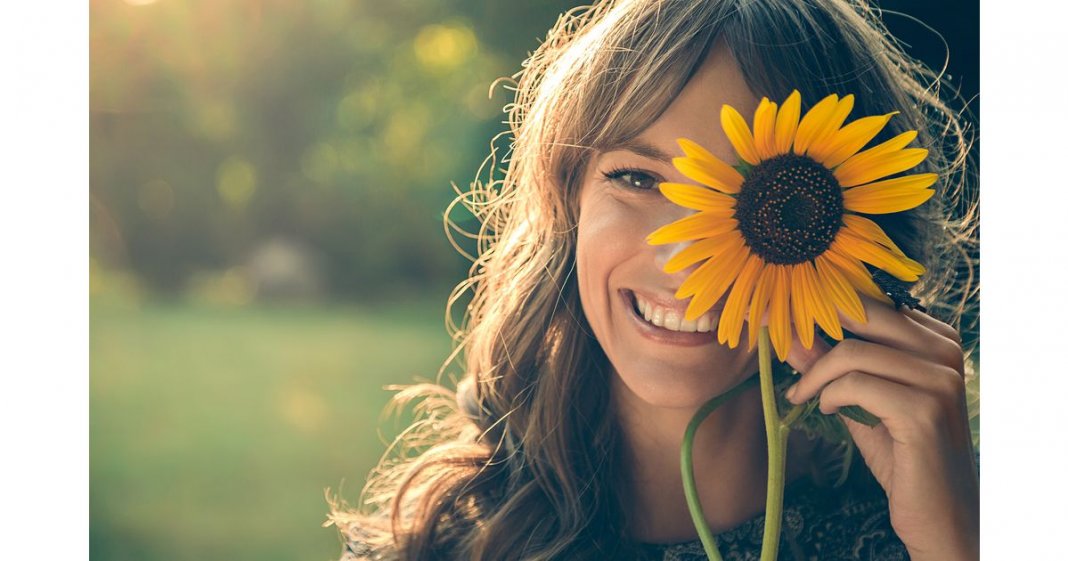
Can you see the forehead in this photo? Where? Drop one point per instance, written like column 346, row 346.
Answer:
column 694, row 114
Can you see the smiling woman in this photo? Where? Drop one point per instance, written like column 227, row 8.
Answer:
column 582, row 368
column 616, row 269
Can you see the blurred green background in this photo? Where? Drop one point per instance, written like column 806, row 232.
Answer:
column 267, row 184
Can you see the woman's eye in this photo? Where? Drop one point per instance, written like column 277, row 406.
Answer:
column 633, row 179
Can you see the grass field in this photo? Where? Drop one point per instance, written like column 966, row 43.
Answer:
column 214, row 431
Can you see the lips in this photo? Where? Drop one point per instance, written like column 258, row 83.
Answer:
column 661, row 319
column 671, row 317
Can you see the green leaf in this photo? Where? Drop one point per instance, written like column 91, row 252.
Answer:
column 859, row 415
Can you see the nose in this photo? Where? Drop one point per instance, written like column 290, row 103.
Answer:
column 663, row 253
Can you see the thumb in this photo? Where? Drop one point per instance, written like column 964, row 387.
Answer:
column 802, row 359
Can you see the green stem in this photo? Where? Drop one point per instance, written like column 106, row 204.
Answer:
column 794, row 414
column 689, row 484
column 777, row 433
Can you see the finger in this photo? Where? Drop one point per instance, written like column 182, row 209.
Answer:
column 932, row 323
column 802, row 359
column 870, row 441
column 854, row 355
column 886, row 399
column 946, row 350
column 890, row 327
column 908, row 414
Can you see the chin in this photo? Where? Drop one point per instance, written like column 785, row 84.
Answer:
column 671, row 385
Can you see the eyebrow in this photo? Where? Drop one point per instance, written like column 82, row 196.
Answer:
column 643, row 148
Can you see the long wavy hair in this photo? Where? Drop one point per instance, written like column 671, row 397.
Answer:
column 523, row 459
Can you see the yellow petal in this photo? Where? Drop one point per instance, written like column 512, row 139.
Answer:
column 707, row 295
column 888, row 205
column 698, row 198
column 867, row 229
column 916, row 181
column 841, row 292
column 894, row 144
column 855, row 272
column 730, row 321
column 728, row 248
column 877, row 168
column 863, row 160
column 813, row 121
column 738, row 133
column 779, row 314
column 693, row 227
column 729, row 180
column 820, row 304
column 877, row 255
column 892, row 195
column 818, row 148
column 701, row 250
column 852, row 137
column 699, row 171
column 761, row 295
column 764, row 128
column 786, row 122
column 799, row 300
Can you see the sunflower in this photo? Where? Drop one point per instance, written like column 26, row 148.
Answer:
column 783, row 231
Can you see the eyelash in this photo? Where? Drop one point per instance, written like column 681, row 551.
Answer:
column 616, row 176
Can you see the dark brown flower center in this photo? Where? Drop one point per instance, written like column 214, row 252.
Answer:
column 789, row 209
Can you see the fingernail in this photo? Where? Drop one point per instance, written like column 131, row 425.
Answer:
column 790, row 392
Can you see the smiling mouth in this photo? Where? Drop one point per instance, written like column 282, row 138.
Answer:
column 670, row 318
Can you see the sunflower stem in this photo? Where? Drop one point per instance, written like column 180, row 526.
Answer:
column 794, row 414
column 777, row 432
column 689, row 483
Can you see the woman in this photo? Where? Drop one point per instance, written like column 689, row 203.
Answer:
column 562, row 439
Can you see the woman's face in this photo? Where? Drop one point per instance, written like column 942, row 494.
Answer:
column 661, row 360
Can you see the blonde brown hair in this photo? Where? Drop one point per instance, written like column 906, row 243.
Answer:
column 522, row 461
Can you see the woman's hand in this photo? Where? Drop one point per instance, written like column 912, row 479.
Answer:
column 908, row 371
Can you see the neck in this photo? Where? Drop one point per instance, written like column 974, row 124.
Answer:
column 730, row 464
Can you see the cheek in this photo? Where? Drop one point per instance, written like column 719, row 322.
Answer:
column 609, row 248
column 610, row 234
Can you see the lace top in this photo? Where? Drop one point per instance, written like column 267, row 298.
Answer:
column 818, row 523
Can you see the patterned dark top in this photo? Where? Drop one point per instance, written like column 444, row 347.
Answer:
column 851, row 522
column 818, row 523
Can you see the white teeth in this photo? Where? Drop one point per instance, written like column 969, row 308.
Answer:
column 672, row 319
column 704, row 324
column 658, row 316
